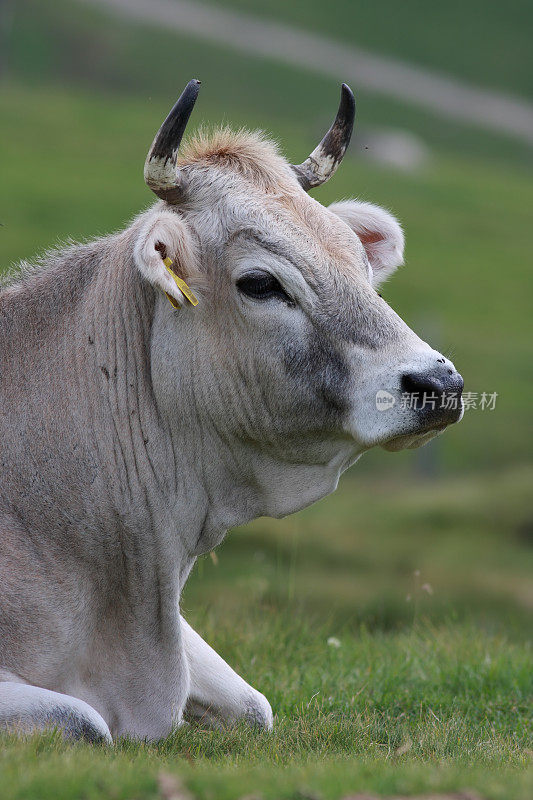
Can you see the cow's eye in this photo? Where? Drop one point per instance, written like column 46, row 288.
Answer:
column 262, row 286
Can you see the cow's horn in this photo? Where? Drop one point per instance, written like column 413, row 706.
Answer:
column 325, row 158
column 160, row 166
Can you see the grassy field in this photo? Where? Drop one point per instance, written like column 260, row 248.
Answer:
column 420, row 565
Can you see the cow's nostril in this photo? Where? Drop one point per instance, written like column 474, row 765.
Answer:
column 434, row 392
column 420, row 383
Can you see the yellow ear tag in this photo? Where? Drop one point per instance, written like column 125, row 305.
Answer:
column 182, row 286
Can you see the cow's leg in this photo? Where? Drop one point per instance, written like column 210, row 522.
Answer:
column 217, row 694
column 25, row 708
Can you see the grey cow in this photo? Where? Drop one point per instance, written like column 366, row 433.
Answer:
column 225, row 356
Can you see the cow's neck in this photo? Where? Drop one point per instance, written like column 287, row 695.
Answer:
column 144, row 490
column 166, row 486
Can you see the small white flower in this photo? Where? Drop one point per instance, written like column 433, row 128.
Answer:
column 334, row 642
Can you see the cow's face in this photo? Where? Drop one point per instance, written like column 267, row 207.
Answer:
column 331, row 358
column 291, row 353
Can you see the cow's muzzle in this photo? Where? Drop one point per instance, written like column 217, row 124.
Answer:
column 435, row 394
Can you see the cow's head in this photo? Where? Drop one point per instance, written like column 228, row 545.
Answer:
column 291, row 357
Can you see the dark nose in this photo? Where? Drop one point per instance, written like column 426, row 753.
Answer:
column 435, row 392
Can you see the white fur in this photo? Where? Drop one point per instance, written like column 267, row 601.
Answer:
column 217, row 694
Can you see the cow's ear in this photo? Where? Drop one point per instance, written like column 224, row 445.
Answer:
column 165, row 237
column 380, row 233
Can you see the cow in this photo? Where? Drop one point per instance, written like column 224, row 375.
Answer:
column 225, row 356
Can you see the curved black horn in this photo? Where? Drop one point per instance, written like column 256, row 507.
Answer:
column 325, row 158
column 160, row 164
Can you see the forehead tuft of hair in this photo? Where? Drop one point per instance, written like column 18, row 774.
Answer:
column 248, row 153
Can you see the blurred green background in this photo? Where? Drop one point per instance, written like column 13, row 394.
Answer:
column 82, row 94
